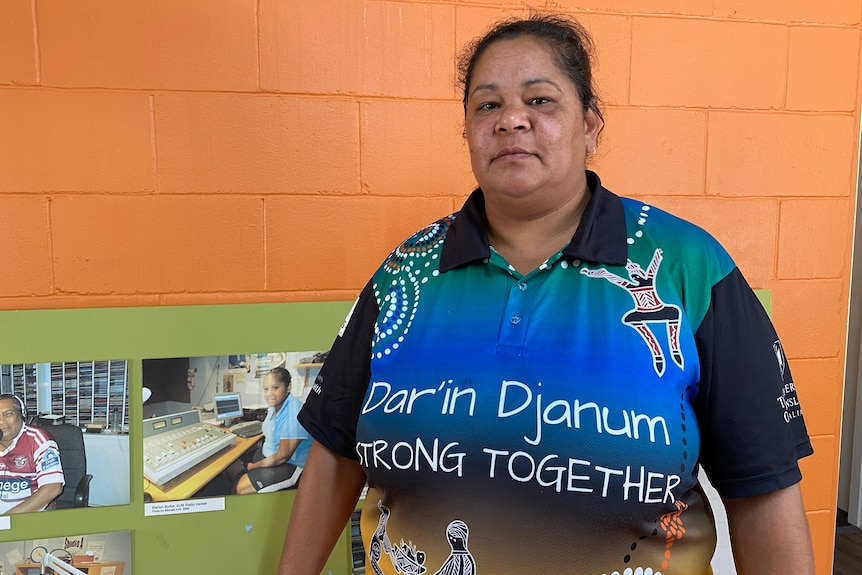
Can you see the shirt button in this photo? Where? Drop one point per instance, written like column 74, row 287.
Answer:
column 516, row 319
column 522, row 286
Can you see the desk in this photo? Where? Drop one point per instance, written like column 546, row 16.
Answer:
column 189, row 482
column 91, row 568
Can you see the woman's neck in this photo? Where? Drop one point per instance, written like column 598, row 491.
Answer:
column 526, row 240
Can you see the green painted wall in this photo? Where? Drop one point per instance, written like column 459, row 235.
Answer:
column 212, row 542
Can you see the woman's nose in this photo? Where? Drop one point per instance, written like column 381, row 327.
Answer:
column 512, row 118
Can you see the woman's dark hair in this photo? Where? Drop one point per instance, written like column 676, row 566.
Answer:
column 281, row 375
column 568, row 41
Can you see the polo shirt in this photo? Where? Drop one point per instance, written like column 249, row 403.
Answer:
column 554, row 422
column 284, row 425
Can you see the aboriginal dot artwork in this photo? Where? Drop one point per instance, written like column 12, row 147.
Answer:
column 642, row 220
column 408, row 267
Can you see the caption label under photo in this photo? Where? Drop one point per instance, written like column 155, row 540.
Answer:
column 189, row 506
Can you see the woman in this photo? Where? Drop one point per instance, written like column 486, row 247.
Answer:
column 549, row 366
column 278, row 463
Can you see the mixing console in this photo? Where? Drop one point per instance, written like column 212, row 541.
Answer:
column 175, row 443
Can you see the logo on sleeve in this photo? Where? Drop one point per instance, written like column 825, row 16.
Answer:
column 50, row 460
column 779, row 356
column 788, row 399
column 317, row 387
column 789, row 402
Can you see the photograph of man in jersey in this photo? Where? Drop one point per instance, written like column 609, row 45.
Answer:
column 31, row 476
column 64, row 435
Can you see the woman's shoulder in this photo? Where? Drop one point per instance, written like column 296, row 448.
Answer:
column 688, row 257
column 423, row 245
column 428, row 237
column 649, row 224
column 649, row 218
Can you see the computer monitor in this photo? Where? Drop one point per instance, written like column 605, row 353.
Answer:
column 227, row 407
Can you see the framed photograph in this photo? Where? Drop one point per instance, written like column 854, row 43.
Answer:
column 65, row 435
column 94, row 554
column 216, row 436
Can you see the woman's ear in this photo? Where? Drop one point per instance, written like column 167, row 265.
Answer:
column 592, row 127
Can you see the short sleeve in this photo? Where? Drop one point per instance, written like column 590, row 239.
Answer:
column 289, row 427
column 47, row 459
column 752, row 429
column 332, row 407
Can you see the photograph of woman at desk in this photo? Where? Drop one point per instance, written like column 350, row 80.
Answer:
column 214, row 427
column 277, row 463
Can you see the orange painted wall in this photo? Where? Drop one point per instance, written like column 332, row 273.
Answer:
column 177, row 152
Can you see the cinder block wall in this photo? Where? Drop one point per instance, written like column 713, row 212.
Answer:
column 176, row 152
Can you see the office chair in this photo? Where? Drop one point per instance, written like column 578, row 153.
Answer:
column 73, row 458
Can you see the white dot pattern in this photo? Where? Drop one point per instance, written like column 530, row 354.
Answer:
column 636, row 571
column 410, row 264
column 642, row 220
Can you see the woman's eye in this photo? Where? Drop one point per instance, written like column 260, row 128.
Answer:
column 539, row 100
column 488, row 106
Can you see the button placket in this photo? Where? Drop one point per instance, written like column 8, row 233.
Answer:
column 513, row 330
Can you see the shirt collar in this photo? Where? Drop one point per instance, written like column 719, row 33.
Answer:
column 600, row 237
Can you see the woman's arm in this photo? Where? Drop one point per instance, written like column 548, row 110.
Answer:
column 326, row 497
column 769, row 534
column 286, row 447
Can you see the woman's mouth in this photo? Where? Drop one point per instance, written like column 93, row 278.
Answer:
column 512, row 152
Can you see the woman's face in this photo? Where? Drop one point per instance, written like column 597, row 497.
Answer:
column 274, row 391
column 526, row 127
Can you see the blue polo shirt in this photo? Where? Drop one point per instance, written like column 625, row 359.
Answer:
column 284, row 425
column 554, row 422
